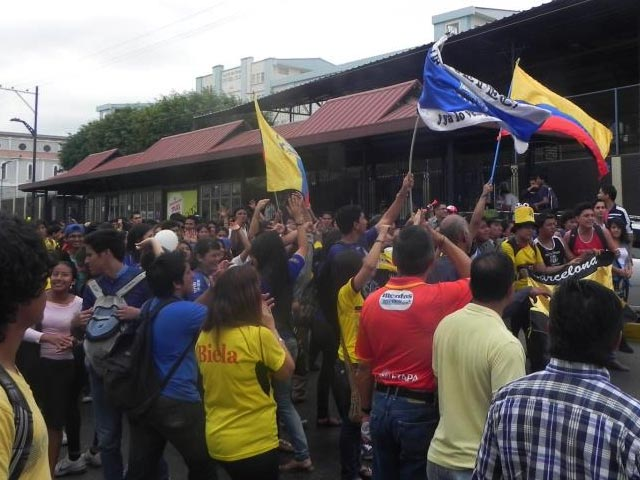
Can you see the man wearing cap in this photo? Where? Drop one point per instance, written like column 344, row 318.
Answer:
column 394, row 344
column 525, row 257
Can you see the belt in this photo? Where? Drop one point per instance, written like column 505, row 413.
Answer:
column 406, row 392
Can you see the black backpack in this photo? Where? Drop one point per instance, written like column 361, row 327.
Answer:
column 23, row 422
column 131, row 380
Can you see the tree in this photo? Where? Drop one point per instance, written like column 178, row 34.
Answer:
column 134, row 130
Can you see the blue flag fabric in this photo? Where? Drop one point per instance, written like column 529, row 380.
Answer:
column 451, row 100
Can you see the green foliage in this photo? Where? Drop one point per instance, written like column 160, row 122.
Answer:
column 134, row 130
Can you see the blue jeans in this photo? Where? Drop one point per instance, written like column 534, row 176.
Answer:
column 287, row 413
column 350, row 437
column 437, row 472
column 108, row 425
column 401, row 430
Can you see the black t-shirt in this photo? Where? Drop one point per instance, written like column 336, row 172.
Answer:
column 553, row 256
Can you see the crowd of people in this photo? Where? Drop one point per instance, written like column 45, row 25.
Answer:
column 418, row 322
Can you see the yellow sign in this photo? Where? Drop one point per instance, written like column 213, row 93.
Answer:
column 184, row 202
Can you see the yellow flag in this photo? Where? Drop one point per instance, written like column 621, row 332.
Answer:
column 284, row 166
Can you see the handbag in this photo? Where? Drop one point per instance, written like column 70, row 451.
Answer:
column 355, row 410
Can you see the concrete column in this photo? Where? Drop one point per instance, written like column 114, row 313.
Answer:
column 245, row 78
column 216, row 72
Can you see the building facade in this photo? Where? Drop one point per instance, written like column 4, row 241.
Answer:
column 463, row 19
column 16, row 160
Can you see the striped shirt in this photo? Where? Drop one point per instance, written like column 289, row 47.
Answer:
column 568, row 421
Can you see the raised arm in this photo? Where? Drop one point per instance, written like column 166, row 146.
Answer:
column 370, row 263
column 254, row 226
column 296, row 210
column 478, row 211
column 393, row 212
column 458, row 257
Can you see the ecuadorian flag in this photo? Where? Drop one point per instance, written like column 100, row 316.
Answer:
column 566, row 117
column 284, row 166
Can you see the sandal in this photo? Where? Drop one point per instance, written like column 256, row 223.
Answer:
column 328, row 422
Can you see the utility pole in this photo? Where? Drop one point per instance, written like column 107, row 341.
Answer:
column 34, row 133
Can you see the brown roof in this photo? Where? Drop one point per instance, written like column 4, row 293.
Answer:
column 89, row 163
column 187, row 144
column 380, row 111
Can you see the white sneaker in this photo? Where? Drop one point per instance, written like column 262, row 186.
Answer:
column 92, row 459
column 68, row 467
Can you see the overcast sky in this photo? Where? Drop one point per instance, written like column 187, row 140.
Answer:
column 84, row 53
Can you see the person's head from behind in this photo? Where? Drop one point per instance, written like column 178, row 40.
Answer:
column 170, row 274
column 208, row 254
column 344, row 266
column 104, row 248
column 413, row 251
column 237, row 300
column 491, row 278
column 547, row 225
column 25, row 267
column 350, row 219
column 585, row 322
column 608, row 193
column 456, row 229
column 137, row 233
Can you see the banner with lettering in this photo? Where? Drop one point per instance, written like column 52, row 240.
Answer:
column 451, row 100
column 593, row 267
column 184, row 202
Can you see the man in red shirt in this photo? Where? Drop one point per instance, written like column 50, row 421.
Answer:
column 395, row 347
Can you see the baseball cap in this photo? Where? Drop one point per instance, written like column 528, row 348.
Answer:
column 73, row 228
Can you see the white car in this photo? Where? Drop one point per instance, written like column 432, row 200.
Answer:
column 634, row 282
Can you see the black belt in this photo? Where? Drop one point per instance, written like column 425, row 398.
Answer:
column 406, row 392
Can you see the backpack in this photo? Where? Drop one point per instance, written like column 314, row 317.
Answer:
column 131, row 381
column 104, row 326
column 599, row 233
column 23, row 421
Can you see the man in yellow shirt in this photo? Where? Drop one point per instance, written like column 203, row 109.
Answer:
column 25, row 267
column 474, row 354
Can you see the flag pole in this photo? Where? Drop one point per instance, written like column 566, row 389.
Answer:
column 413, row 142
column 498, row 141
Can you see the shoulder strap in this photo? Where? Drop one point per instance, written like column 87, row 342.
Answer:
column 23, row 421
column 601, row 236
column 95, row 288
column 132, row 283
column 572, row 238
column 152, row 315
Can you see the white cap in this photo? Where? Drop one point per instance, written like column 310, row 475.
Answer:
column 167, row 239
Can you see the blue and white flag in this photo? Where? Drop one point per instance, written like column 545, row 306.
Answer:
column 451, row 100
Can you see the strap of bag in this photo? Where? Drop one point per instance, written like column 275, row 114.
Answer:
column 23, row 421
column 95, row 288
column 152, row 315
column 132, row 283
column 347, row 363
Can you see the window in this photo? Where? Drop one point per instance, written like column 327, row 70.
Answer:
column 30, row 172
column 213, row 196
column 22, row 146
column 47, row 148
column 453, row 28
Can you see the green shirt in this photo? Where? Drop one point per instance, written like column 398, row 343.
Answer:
column 474, row 354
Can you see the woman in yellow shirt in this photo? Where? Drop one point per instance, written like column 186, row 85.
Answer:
column 238, row 352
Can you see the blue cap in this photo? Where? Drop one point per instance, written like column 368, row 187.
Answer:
column 73, row 228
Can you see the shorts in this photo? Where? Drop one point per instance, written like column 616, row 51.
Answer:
column 56, row 391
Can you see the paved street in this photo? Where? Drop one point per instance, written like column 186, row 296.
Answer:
column 323, row 442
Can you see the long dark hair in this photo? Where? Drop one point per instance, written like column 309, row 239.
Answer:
column 271, row 257
column 624, row 236
column 135, row 235
column 236, row 300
